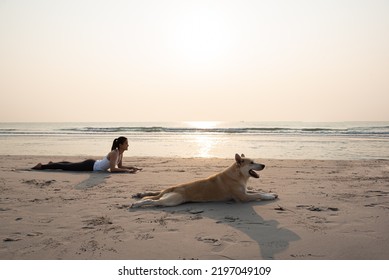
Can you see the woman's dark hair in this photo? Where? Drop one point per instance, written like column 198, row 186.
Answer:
column 117, row 142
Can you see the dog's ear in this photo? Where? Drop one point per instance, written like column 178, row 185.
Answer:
column 242, row 155
column 238, row 159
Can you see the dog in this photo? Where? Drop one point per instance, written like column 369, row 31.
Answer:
column 229, row 184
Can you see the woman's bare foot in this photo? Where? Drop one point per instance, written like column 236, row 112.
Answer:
column 38, row 166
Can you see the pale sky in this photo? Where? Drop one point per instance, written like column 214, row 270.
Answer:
column 178, row 60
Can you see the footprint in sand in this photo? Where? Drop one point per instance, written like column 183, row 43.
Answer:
column 11, row 239
column 39, row 183
column 89, row 246
column 209, row 240
column 318, row 208
column 36, row 233
column 144, row 236
column 98, row 221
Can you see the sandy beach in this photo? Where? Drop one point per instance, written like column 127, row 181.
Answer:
column 326, row 210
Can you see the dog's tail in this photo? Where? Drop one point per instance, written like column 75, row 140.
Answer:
column 144, row 194
column 153, row 195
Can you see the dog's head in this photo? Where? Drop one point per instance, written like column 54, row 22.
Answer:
column 247, row 166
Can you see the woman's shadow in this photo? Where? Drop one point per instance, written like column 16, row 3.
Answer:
column 94, row 179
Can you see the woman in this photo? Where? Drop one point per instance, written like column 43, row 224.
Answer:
column 113, row 161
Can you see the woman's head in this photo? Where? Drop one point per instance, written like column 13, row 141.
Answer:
column 119, row 142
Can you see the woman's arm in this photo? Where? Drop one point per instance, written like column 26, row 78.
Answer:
column 112, row 156
column 132, row 169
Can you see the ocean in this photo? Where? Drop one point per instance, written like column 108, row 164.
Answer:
column 272, row 140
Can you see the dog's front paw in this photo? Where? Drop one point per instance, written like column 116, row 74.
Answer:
column 269, row 196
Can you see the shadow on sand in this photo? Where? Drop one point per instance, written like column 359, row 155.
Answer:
column 95, row 179
column 243, row 217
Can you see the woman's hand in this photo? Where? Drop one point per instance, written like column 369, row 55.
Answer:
column 133, row 169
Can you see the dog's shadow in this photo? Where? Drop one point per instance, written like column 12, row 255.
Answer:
column 243, row 217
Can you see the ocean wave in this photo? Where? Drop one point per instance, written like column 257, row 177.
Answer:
column 234, row 130
column 171, row 130
column 162, row 129
column 377, row 131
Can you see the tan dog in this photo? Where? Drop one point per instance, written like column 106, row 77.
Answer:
column 229, row 184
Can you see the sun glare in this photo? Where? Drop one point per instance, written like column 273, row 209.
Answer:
column 205, row 145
